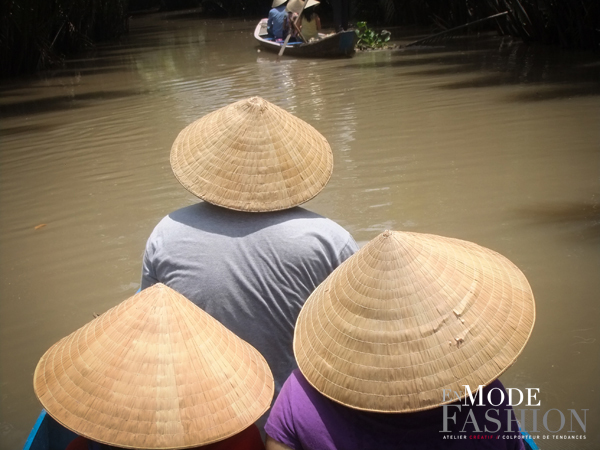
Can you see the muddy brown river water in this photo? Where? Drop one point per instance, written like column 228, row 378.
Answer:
column 485, row 140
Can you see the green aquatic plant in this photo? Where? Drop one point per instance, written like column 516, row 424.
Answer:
column 369, row 39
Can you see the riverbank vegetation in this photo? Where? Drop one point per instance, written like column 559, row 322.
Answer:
column 37, row 33
column 370, row 39
column 568, row 23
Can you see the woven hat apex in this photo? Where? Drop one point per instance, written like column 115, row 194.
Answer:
column 154, row 372
column 410, row 315
column 277, row 3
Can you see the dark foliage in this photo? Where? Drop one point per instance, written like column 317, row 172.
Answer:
column 569, row 23
column 36, row 33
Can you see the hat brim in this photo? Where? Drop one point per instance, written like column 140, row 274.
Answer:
column 154, row 372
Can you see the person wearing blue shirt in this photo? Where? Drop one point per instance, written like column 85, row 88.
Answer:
column 276, row 18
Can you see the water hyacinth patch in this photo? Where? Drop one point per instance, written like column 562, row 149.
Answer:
column 369, row 39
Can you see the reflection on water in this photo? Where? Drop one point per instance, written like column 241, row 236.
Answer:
column 491, row 141
column 580, row 220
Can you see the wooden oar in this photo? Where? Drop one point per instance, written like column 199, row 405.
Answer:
column 287, row 39
column 295, row 25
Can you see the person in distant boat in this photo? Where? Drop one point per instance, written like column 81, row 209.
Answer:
column 291, row 25
column 248, row 254
column 155, row 372
column 309, row 22
column 275, row 22
column 387, row 343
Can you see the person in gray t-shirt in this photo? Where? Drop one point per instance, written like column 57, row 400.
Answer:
column 248, row 255
column 252, row 272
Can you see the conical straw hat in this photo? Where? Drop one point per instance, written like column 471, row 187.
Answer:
column 409, row 315
column 252, row 156
column 298, row 5
column 154, row 372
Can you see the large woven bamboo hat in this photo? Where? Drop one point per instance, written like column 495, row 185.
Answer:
column 410, row 315
column 252, row 156
column 154, row 372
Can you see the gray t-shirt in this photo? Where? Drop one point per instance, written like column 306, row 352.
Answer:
column 251, row 271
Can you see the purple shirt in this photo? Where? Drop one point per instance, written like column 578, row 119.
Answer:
column 304, row 419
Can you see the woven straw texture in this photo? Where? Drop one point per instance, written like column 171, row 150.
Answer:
column 298, row 5
column 409, row 315
column 252, row 156
column 154, row 372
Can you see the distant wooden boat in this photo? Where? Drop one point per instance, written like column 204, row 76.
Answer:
column 329, row 46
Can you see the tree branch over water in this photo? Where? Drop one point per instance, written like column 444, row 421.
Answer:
column 569, row 23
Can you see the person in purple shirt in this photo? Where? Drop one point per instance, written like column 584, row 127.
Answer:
column 304, row 419
column 387, row 343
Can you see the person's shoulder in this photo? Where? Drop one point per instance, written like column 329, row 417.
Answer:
column 275, row 11
column 312, row 224
column 298, row 386
column 305, row 214
column 187, row 216
column 199, row 211
column 179, row 214
column 494, row 386
column 294, row 383
column 297, row 379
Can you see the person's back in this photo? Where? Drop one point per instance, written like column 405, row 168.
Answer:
column 275, row 21
column 310, row 28
column 248, row 255
column 250, row 271
column 309, row 20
